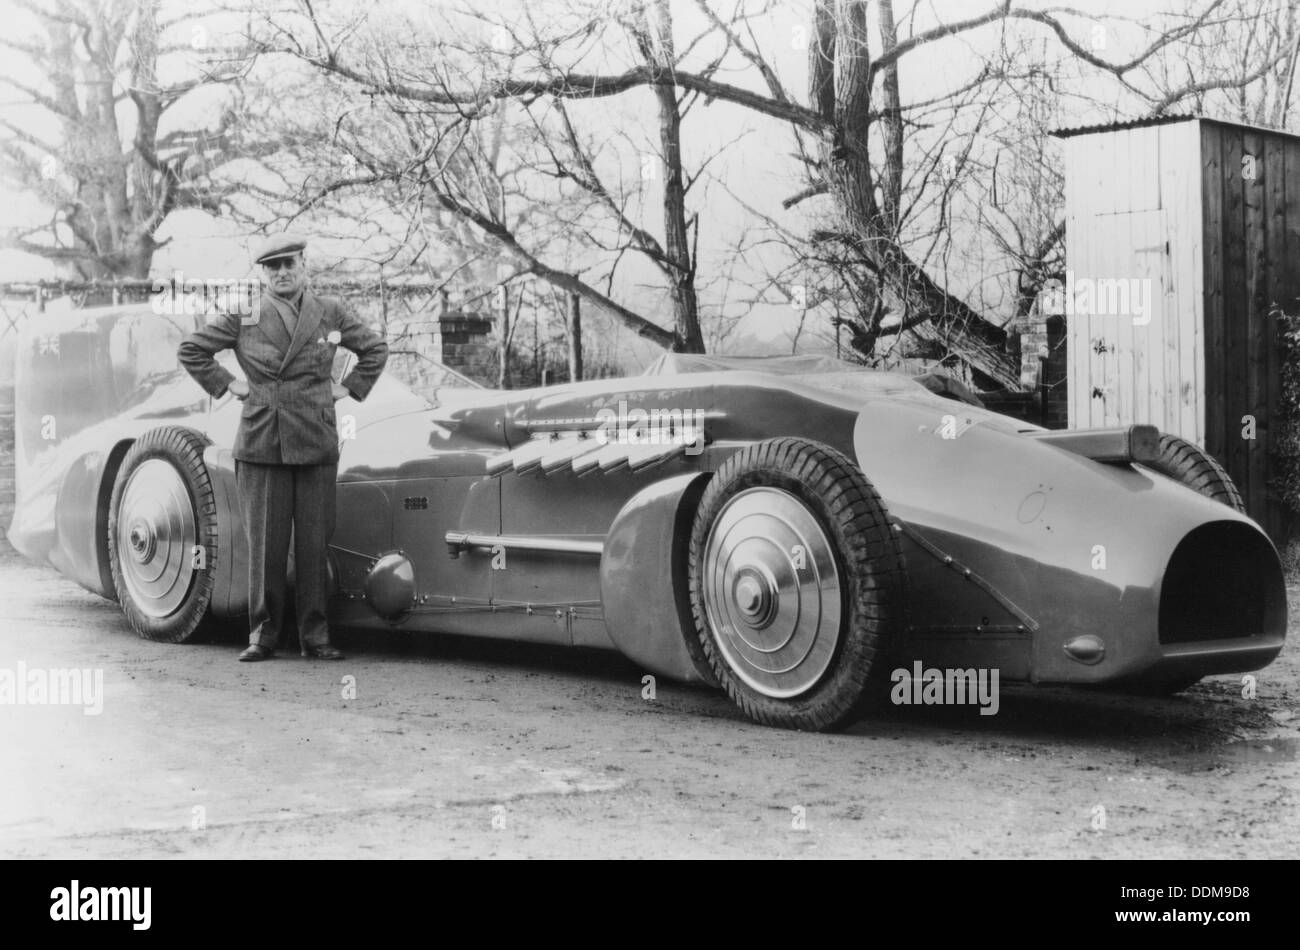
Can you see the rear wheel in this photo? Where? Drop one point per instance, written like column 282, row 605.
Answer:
column 1191, row 465
column 796, row 583
column 162, row 524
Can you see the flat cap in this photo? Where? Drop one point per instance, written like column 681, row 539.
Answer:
column 279, row 245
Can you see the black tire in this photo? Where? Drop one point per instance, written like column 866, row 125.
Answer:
column 1185, row 462
column 843, row 668
column 163, row 580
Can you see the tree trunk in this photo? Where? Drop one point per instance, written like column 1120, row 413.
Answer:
column 842, row 55
column 503, row 375
column 112, row 191
column 656, row 41
column 575, row 338
column 891, row 125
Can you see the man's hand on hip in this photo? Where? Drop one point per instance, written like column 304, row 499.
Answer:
column 340, row 392
column 239, row 389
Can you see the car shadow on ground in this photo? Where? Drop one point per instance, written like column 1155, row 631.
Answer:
column 1196, row 728
column 1205, row 727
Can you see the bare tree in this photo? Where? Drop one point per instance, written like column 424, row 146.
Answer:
column 933, row 173
column 90, row 139
column 1241, row 66
column 874, row 151
column 590, row 206
column 653, row 32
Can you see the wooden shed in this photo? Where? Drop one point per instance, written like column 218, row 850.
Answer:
column 1182, row 246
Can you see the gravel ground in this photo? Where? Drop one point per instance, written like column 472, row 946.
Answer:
column 438, row 746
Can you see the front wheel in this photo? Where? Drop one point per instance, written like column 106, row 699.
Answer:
column 796, row 584
column 162, row 526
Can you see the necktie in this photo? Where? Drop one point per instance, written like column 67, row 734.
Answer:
column 288, row 310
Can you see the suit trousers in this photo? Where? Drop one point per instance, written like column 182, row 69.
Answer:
column 281, row 502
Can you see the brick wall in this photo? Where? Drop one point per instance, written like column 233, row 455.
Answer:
column 1043, row 374
column 1033, row 347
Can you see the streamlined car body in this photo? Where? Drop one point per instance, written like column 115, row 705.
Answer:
column 792, row 530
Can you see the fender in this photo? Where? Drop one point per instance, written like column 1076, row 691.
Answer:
column 230, row 588
column 80, row 547
column 643, row 584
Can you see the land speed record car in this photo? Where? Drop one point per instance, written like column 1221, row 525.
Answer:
column 790, row 530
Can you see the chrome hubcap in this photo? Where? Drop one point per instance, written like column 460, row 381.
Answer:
column 156, row 536
column 772, row 592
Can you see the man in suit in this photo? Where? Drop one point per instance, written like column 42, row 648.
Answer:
column 286, row 451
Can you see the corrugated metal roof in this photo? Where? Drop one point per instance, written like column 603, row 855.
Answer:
column 1121, row 126
column 1162, row 120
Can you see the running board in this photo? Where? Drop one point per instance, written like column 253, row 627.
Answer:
column 458, row 541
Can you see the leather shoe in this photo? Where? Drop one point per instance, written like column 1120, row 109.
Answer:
column 255, row 653
column 324, row 652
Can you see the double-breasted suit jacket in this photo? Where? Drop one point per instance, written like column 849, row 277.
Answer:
column 288, row 417
column 286, row 449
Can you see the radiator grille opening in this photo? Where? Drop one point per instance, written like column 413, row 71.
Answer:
column 1223, row 581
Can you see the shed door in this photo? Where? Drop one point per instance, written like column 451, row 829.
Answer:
column 1117, row 296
